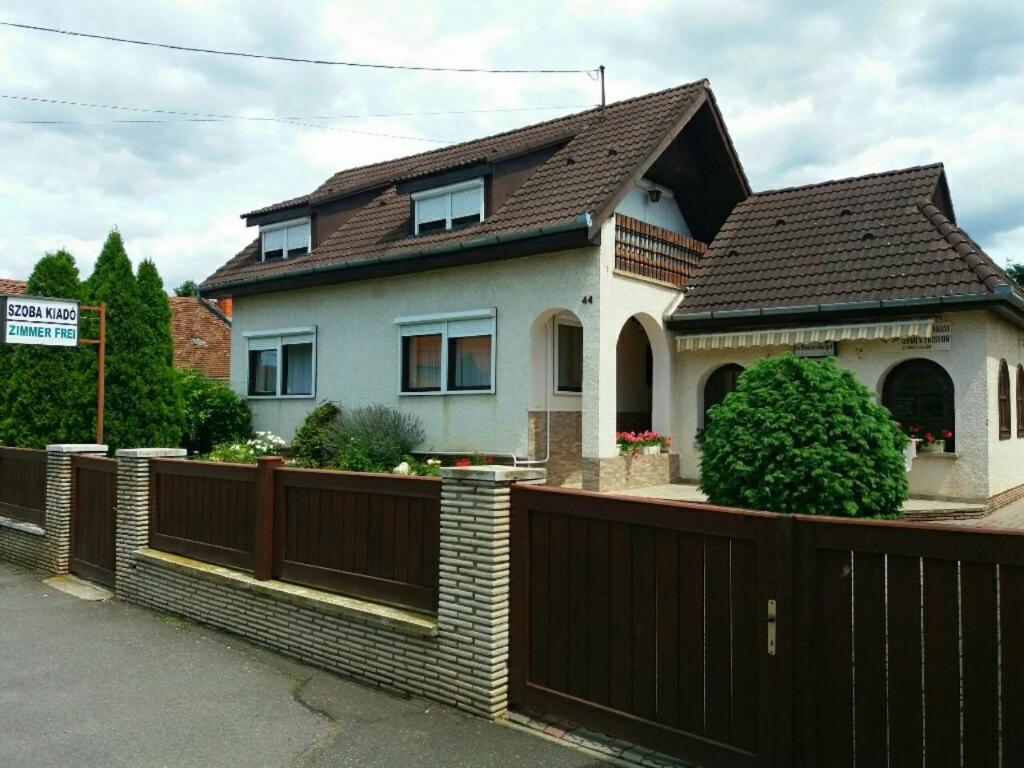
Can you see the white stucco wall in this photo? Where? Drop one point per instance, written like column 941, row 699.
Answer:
column 664, row 213
column 964, row 476
column 358, row 348
column 1006, row 457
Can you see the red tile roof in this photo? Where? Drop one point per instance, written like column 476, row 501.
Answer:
column 12, row 287
column 202, row 337
column 602, row 149
column 869, row 238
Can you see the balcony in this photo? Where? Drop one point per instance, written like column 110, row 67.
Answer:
column 654, row 252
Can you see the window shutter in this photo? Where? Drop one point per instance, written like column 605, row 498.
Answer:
column 466, row 202
column 273, row 240
column 1004, row 401
column 432, row 209
column 1020, row 401
column 298, row 236
column 479, row 326
column 422, row 329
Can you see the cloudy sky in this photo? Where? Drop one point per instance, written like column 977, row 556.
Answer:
column 808, row 93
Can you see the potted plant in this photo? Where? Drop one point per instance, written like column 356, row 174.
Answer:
column 647, row 443
column 932, row 442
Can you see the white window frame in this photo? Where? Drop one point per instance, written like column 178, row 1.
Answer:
column 571, row 322
column 285, row 225
column 282, row 337
column 431, row 324
column 447, row 191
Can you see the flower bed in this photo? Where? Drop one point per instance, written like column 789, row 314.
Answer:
column 636, row 443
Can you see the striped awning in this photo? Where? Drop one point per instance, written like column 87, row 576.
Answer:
column 782, row 337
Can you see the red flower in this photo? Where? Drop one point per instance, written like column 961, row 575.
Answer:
column 929, row 437
column 463, row 462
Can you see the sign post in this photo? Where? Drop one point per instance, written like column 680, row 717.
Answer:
column 48, row 322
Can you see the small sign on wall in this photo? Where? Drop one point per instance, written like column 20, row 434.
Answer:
column 44, row 322
column 939, row 340
column 815, row 349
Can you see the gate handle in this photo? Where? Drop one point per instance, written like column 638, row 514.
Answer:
column 771, row 621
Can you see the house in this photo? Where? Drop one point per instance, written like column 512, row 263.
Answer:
column 530, row 293
column 201, row 329
column 202, row 335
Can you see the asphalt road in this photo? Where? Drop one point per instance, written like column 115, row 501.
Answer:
column 109, row 684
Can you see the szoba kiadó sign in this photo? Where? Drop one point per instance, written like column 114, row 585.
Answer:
column 44, row 322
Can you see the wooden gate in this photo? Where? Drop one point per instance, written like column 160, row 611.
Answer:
column 93, row 523
column 649, row 621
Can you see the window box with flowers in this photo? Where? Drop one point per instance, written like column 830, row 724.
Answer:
column 642, row 443
column 930, row 442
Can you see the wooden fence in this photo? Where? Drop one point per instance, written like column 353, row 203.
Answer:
column 367, row 535
column 371, row 535
column 204, row 510
column 733, row 638
column 23, row 485
column 655, row 252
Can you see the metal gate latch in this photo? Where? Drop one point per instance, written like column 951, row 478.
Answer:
column 771, row 627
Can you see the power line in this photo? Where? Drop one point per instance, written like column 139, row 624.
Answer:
column 299, row 60
column 262, row 118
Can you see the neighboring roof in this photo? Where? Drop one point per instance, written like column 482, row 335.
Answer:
column 13, row 287
column 877, row 238
column 603, row 149
column 202, row 337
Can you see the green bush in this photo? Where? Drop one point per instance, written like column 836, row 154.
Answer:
column 378, row 422
column 360, row 453
column 214, row 413
column 799, row 436
column 317, row 442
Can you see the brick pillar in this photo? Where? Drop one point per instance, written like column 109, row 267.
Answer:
column 133, row 509
column 472, row 612
column 58, row 501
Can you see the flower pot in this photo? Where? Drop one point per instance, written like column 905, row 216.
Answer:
column 651, row 450
column 939, row 446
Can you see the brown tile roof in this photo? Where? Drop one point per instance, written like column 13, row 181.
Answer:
column 868, row 238
column 602, row 150
column 202, row 337
column 12, row 287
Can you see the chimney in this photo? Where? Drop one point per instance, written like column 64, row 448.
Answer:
column 224, row 305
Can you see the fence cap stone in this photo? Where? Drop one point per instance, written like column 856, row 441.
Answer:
column 76, row 448
column 494, row 473
column 150, row 453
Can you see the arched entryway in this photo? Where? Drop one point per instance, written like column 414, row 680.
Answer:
column 634, row 371
column 719, row 384
column 919, row 393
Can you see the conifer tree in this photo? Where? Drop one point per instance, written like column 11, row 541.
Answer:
column 162, row 407
column 113, row 283
column 49, row 393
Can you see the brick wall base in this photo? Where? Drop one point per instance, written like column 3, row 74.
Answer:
column 20, row 544
column 1008, row 496
column 618, row 473
column 565, row 463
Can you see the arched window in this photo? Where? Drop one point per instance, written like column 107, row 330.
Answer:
column 919, row 393
column 1020, row 401
column 1004, row 401
column 720, row 383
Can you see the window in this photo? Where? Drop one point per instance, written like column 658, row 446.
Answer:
column 282, row 363
column 1020, row 401
column 720, row 383
column 568, row 357
column 451, row 353
column 920, row 393
column 1004, row 401
column 448, row 207
column 285, row 240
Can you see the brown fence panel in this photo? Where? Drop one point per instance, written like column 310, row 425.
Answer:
column 647, row 620
column 655, row 252
column 23, row 484
column 93, row 517
column 368, row 535
column 909, row 644
column 203, row 510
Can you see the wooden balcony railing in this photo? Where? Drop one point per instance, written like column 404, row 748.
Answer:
column 655, row 252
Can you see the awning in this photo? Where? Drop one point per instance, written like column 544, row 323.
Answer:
column 782, row 337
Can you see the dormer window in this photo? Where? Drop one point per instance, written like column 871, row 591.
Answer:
column 285, row 240
column 447, row 207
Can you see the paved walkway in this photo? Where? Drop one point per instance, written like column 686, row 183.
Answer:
column 108, row 684
column 1010, row 516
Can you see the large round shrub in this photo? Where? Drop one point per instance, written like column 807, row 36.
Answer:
column 804, row 437
column 214, row 413
column 317, row 441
